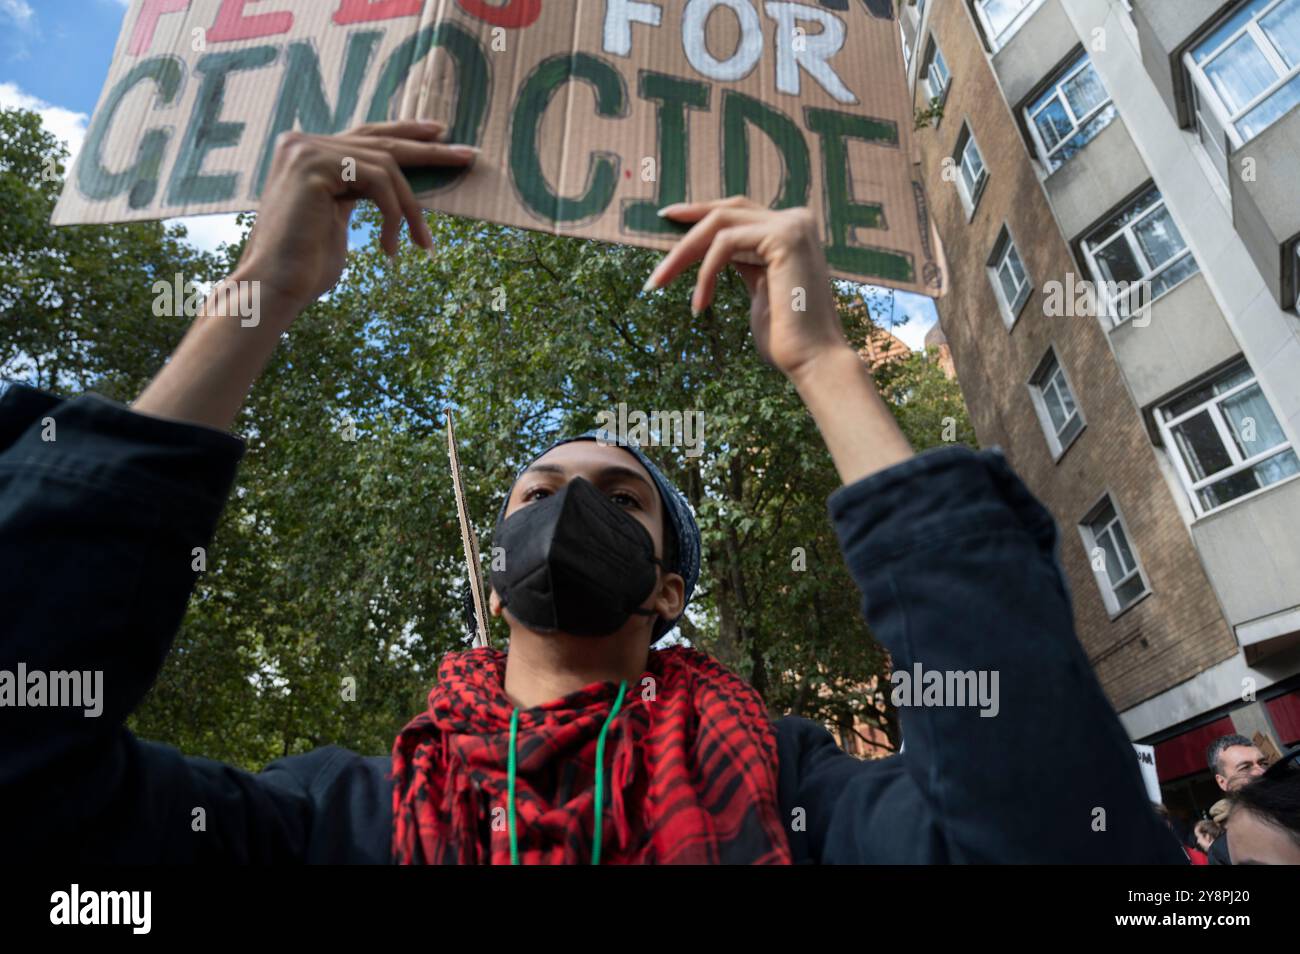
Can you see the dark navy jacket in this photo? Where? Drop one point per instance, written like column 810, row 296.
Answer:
column 954, row 558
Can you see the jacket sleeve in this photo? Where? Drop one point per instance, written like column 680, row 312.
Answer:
column 101, row 512
column 956, row 562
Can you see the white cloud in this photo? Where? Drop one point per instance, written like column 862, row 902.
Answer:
column 63, row 123
column 19, row 11
column 206, row 232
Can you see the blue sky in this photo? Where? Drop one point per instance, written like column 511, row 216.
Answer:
column 55, row 54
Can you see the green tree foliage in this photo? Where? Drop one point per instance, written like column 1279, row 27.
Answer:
column 335, row 582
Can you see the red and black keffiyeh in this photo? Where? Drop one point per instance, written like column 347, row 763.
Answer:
column 690, row 763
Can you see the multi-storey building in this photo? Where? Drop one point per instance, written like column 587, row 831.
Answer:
column 1115, row 184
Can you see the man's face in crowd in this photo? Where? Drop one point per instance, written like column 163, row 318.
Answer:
column 1238, row 765
column 1255, row 841
column 618, row 475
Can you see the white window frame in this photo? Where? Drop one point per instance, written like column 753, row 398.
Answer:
column 998, row 40
column 1193, row 487
column 1109, row 305
column 1003, row 248
column 1205, row 94
column 1105, row 584
column 1038, row 384
column 907, row 50
column 933, row 55
column 969, row 199
column 1073, row 69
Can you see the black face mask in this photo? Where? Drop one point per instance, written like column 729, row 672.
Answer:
column 575, row 562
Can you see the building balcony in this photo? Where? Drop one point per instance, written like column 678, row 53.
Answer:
column 1249, row 552
column 1165, row 28
column 1103, row 174
column 1038, row 47
column 1266, row 204
column 1183, row 337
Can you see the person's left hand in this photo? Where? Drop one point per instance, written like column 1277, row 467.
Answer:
column 792, row 311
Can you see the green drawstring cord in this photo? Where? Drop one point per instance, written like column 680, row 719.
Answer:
column 600, row 775
column 512, row 765
column 510, row 782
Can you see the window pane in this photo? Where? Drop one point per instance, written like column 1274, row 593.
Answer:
column 1121, row 540
column 1055, row 410
column 1085, row 91
column 1084, row 136
column 1238, row 373
column 1248, row 481
column 1198, row 395
column 1107, row 543
column 940, row 67
column 1254, row 427
column 1227, row 379
column 1159, row 237
column 1067, row 399
column 1277, row 468
column 1182, row 269
column 1073, row 427
column 1270, row 111
column 1130, row 591
column 1240, row 73
column 1127, row 214
column 1053, row 123
column 1001, row 13
column 1010, row 286
column 1282, row 27
column 1118, row 263
column 1243, row 15
column 1202, row 449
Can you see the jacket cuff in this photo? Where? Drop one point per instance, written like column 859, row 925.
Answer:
column 934, row 497
column 99, row 441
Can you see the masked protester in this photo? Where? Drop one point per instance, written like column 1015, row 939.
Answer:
column 581, row 744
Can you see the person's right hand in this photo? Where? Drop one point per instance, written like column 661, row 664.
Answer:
column 299, row 244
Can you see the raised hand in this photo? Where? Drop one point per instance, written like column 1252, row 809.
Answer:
column 792, row 312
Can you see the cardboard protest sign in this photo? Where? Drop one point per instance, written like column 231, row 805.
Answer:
column 592, row 114
column 1146, row 756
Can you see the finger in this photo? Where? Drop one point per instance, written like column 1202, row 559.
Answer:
column 695, row 243
column 724, row 245
column 421, row 235
column 375, row 182
column 422, row 129
column 694, row 211
column 407, row 152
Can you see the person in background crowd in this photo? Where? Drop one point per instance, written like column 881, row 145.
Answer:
column 1170, row 822
column 1235, row 761
column 1205, row 832
column 1264, row 817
